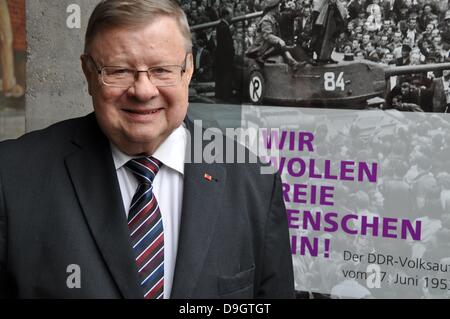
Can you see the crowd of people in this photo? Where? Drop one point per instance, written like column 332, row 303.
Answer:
column 411, row 185
column 389, row 32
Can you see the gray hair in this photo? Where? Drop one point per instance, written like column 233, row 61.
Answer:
column 135, row 13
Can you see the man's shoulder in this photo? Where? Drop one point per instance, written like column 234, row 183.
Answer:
column 270, row 17
column 43, row 141
column 238, row 161
column 245, row 166
column 223, row 26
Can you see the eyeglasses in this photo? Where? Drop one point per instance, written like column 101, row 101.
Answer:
column 123, row 77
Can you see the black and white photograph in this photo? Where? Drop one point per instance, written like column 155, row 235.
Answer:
column 357, row 54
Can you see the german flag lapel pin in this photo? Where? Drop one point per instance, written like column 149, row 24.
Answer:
column 209, row 178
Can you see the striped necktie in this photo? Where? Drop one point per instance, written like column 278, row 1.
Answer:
column 146, row 228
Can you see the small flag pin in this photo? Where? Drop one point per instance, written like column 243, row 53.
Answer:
column 209, row 178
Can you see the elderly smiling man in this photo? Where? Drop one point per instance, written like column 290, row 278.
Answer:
column 105, row 206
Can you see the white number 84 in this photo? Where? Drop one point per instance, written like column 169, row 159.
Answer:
column 330, row 83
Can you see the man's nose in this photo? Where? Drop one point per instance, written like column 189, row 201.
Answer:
column 143, row 89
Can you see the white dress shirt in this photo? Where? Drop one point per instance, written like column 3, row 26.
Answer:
column 168, row 190
column 411, row 34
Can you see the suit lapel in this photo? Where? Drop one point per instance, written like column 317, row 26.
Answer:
column 200, row 210
column 92, row 172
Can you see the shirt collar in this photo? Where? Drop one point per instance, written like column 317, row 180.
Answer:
column 171, row 152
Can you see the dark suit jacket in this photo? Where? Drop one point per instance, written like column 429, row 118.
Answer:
column 354, row 8
column 60, row 204
column 203, row 69
column 223, row 63
column 400, row 61
column 224, row 58
column 439, row 97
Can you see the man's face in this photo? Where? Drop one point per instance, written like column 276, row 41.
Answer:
column 139, row 118
column 405, row 89
column 379, row 199
column 383, row 41
column 366, row 39
column 307, row 12
column 395, row 101
column 388, row 58
column 194, row 14
column 405, row 54
column 446, row 74
column 290, row 5
column 437, row 41
column 415, row 59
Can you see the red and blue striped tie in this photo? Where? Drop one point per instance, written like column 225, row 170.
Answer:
column 146, row 228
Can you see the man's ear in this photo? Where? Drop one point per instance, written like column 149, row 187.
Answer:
column 88, row 73
column 189, row 67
